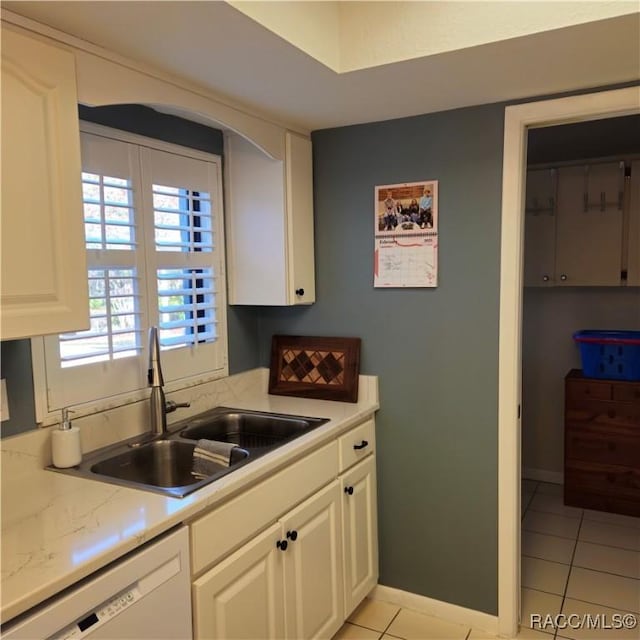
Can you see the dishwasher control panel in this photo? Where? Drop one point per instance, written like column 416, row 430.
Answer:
column 100, row 616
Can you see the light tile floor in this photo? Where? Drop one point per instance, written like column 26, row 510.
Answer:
column 574, row 562
column 577, row 562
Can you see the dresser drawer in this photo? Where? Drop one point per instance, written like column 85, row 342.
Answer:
column 627, row 392
column 593, row 443
column 600, row 502
column 228, row 526
column 579, row 390
column 619, row 416
column 357, row 444
column 593, row 477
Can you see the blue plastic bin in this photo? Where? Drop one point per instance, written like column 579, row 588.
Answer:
column 611, row 355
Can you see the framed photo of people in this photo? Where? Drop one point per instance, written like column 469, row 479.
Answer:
column 406, row 234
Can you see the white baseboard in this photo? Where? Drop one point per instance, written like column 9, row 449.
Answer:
column 437, row 608
column 541, row 475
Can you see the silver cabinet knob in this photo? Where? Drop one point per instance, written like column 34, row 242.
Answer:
column 545, row 278
column 563, row 277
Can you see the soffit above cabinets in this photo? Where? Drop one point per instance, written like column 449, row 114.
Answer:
column 362, row 62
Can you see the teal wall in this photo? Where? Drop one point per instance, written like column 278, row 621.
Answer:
column 435, row 350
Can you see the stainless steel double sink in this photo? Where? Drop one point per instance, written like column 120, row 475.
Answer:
column 165, row 464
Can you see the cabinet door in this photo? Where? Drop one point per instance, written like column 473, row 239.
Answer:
column 302, row 288
column 313, row 566
column 255, row 224
column 540, row 228
column 360, row 532
column 242, row 597
column 589, row 229
column 633, row 244
column 269, row 223
column 44, row 275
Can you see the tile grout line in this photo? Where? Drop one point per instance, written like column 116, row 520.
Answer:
column 522, row 530
column 606, row 523
column 610, row 546
column 361, row 626
column 601, row 544
column 526, row 509
column 391, row 621
column 609, row 573
column 573, row 555
column 550, row 534
column 554, row 513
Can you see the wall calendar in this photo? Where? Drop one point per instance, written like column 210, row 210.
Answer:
column 406, row 235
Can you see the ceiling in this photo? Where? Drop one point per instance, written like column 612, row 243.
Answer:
column 221, row 48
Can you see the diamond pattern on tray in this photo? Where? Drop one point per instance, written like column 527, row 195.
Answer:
column 315, row 367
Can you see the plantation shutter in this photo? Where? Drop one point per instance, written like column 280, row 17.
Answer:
column 185, row 256
column 155, row 254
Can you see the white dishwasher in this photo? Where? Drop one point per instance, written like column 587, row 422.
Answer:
column 146, row 595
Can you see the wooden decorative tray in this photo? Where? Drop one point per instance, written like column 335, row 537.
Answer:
column 315, row 367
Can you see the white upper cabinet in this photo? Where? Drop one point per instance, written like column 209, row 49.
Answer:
column 44, row 276
column 540, row 220
column 269, row 206
column 299, row 181
column 576, row 221
column 589, row 228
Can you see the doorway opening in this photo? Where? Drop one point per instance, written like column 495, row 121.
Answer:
column 580, row 531
column 518, row 120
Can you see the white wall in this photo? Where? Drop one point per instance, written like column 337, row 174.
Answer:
column 551, row 315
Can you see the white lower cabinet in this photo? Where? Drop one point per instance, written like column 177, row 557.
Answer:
column 313, row 566
column 286, row 582
column 293, row 555
column 360, row 532
column 243, row 597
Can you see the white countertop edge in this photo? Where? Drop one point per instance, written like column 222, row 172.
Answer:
column 36, row 567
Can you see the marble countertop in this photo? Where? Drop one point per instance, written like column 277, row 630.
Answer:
column 58, row 529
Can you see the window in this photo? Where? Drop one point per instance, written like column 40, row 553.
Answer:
column 154, row 242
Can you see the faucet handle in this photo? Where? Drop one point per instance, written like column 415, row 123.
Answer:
column 171, row 406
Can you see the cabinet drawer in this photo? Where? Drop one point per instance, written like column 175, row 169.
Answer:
column 626, row 392
column 601, row 444
column 356, row 444
column 580, row 390
column 227, row 527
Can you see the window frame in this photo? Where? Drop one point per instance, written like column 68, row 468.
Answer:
column 46, row 415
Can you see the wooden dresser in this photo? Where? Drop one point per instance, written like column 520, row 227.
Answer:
column 602, row 444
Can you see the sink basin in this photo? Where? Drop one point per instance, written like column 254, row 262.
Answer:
column 248, row 429
column 163, row 466
column 163, row 463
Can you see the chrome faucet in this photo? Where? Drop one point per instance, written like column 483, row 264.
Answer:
column 159, row 407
